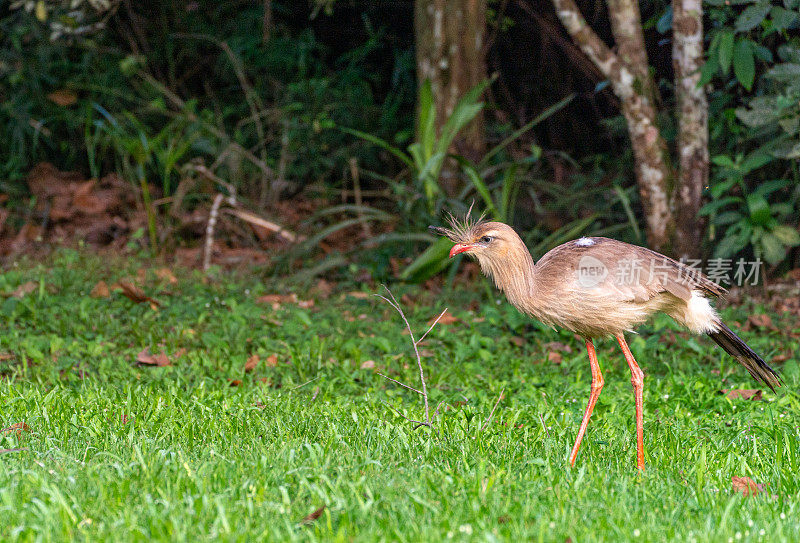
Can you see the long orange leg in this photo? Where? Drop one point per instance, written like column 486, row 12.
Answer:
column 637, row 379
column 597, row 386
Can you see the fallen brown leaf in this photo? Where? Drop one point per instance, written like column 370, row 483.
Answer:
column 135, row 294
column 165, row 274
column 759, row 321
column 24, row 289
column 554, row 357
column 6, row 356
column 313, row 516
column 272, row 360
column 305, row 304
column 368, row 365
column 783, row 357
column 358, row 294
column 17, row 427
column 743, row 393
column 518, row 340
column 251, row 363
column 100, row 290
column 277, row 299
column 63, row 97
column 447, row 318
column 323, row 288
column 235, row 382
column 746, row 486
column 557, row 346
column 144, row 358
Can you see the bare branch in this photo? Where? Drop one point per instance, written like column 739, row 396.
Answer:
column 491, row 414
column 417, row 422
column 431, row 327
column 541, row 418
column 436, row 412
column 399, row 383
column 391, row 300
column 304, row 384
column 588, row 41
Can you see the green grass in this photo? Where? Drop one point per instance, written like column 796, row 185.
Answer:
column 121, row 452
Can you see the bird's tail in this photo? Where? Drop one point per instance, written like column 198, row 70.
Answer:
column 733, row 345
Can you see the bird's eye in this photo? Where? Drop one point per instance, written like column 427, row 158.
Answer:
column 486, row 239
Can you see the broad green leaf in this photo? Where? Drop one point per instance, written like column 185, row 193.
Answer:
column 726, row 43
column 709, row 70
column 380, row 143
column 774, row 251
column 481, row 187
column 752, row 16
column 786, row 71
column 787, row 235
column 730, row 245
column 464, row 111
column 430, row 262
column 714, row 205
column 783, row 18
column 723, row 160
column 767, row 188
column 754, row 161
column 744, row 66
column 763, row 53
column 721, row 187
column 728, row 217
column 758, row 207
column 461, row 116
column 558, row 106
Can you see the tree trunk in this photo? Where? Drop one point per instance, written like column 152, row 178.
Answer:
column 687, row 59
column 629, row 74
column 449, row 38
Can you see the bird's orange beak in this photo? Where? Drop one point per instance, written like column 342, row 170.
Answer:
column 459, row 248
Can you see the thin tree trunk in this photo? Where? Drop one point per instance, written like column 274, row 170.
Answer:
column 628, row 72
column 687, row 59
column 450, row 53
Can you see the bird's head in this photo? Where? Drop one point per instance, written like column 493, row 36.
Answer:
column 484, row 240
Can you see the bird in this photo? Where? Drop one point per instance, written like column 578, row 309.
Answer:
column 598, row 287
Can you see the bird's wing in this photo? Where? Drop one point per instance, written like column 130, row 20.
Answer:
column 620, row 271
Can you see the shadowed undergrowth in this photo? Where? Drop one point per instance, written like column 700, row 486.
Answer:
column 121, row 451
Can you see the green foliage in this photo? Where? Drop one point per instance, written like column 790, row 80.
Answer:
column 775, row 115
column 425, row 159
column 426, row 155
column 754, row 201
column 215, row 81
column 121, row 452
column 750, row 219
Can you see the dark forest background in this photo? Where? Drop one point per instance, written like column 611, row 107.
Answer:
column 294, row 126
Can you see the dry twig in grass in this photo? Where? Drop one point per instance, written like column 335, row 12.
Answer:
column 392, row 301
column 491, row 414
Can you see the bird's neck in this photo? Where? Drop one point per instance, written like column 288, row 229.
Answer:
column 515, row 275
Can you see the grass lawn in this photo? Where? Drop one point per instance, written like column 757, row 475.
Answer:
column 118, row 451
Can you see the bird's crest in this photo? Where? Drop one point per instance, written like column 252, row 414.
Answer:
column 461, row 230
